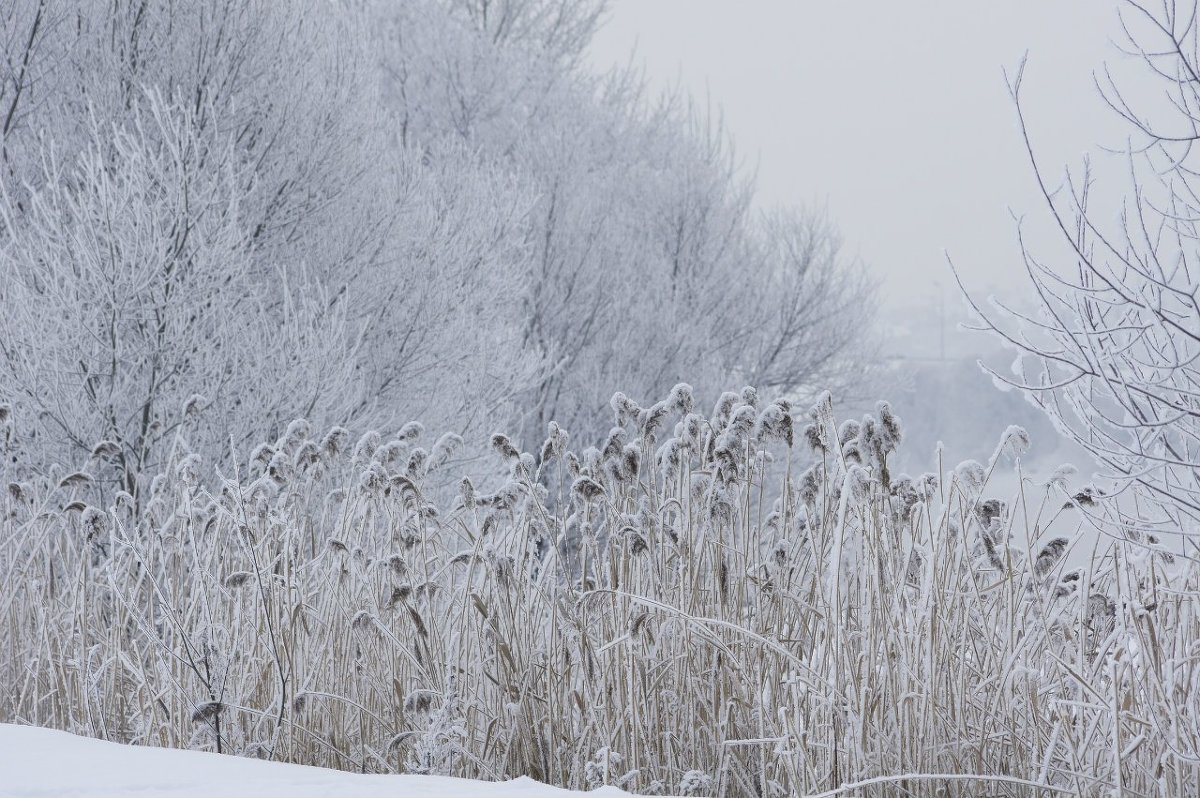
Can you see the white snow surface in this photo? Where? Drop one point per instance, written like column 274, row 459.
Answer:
column 43, row 763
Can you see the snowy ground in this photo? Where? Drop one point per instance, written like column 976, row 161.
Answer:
column 40, row 763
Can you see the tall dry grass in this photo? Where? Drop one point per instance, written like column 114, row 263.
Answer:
column 745, row 605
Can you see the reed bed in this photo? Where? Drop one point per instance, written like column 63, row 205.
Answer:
column 740, row 603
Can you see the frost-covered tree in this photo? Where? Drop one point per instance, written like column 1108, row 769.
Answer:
column 273, row 87
column 648, row 263
column 808, row 306
column 448, row 216
column 24, row 37
column 557, row 30
column 224, row 172
column 131, row 309
column 1110, row 351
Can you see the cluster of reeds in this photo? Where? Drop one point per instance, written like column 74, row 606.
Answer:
column 741, row 603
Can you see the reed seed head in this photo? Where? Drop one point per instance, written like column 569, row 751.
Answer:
column 207, row 712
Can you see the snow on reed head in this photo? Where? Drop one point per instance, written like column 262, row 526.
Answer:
column 681, row 400
column 411, row 431
column 1050, row 555
column 776, row 423
column 364, row 450
column 624, row 408
column 335, row 441
column 1015, row 442
column 504, row 447
column 556, row 442
column 724, row 409
column 970, row 476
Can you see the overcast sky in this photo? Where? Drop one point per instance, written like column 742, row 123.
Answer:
column 894, row 114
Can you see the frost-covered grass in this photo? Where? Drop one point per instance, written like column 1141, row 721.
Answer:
column 746, row 605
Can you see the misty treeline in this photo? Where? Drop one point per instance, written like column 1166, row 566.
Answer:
column 216, row 217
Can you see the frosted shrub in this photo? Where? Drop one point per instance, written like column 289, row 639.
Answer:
column 703, row 606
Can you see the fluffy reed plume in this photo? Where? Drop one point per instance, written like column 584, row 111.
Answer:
column 279, row 468
column 1015, row 442
column 334, row 442
column 364, row 450
column 811, row 486
column 695, row 782
column 411, row 431
column 890, row 431
column 712, row 621
column 971, row 476
column 739, row 427
column 374, row 479
column 1068, row 584
column 723, row 410
column 389, row 452
column 94, row 522
column 238, row 579
column 105, row 449
column 417, row 463
column 669, row 456
column 636, row 540
column 443, row 449
column 555, row 444
column 624, row 408
column 262, row 454
column 815, row 437
column 504, row 447
column 847, row 436
column 297, row 430
column 651, row 419
column 690, row 430
column 207, row 712
column 419, row 702
column 187, row 470
column 989, row 513
column 77, row 479
column 467, row 492
column 613, row 444
column 587, row 489
column 1086, row 497
column 631, row 460
column 681, row 400
column 776, row 423
column 1049, row 556
column 308, row 454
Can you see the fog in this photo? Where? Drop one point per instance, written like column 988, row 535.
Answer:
column 898, row 118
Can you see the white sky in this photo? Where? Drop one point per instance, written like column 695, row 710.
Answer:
column 894, row 114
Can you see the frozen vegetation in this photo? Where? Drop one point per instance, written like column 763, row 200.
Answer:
column 244, row 243
column 363, row 212
column 706, row 603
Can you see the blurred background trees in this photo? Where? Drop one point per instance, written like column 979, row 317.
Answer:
column 369, row 212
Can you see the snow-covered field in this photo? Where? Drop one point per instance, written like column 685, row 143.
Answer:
column 37, row 763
